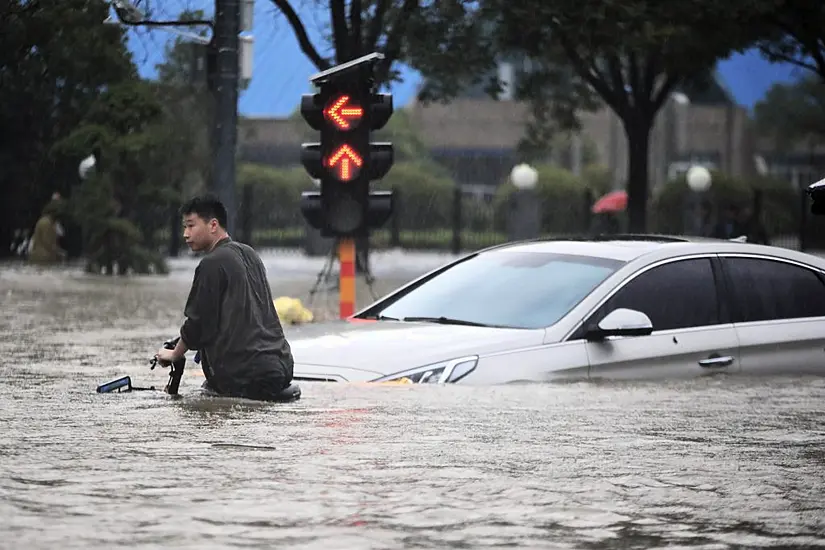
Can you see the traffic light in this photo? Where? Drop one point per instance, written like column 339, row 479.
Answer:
column 346, row 110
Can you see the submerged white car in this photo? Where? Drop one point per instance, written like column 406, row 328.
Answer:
column 619, row 307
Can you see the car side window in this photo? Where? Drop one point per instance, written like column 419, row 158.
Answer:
column 679, row 294
column 767, row 290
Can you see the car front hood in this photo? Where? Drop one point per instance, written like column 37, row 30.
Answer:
column 368, row 350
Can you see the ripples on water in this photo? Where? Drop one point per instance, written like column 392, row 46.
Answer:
column 721, row 462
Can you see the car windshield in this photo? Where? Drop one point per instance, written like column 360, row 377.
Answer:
column 505, row 288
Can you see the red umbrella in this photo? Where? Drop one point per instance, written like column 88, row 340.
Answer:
column 615, row 201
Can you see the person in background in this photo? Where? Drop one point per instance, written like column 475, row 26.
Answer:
column 44, row 248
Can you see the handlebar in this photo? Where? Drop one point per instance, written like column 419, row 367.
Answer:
column 176, row 373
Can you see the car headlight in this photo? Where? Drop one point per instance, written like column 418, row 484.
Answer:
column 437, row 373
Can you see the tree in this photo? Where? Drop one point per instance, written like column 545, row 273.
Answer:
column 632, row 53
column 555, row 96
column 447, row 40
column 121, row 207
column 57, row 56
column 798, row 35
column 188, row 108
column 790, row 113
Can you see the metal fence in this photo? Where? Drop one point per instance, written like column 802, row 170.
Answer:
column 461, row 221
column 455, row 221
column 468, row 210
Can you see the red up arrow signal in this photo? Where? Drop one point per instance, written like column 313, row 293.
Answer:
column 346, row 162
column 340, row 112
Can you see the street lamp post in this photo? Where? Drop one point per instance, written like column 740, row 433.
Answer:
column 699, row 181
column 524, row 215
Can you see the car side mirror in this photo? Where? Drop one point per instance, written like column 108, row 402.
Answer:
column 621, row 322
column 817, row 193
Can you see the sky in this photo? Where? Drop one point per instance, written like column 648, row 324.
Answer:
column 281, row 71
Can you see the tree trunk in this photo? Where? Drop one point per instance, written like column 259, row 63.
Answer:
column 637, row 129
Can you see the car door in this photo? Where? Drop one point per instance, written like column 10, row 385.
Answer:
column 778, row 309
column 692, row 333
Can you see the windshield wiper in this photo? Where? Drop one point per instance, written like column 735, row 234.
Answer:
column 446, row 321
column 379, row 318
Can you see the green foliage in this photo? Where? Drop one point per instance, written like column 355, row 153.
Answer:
column 633, row 53
column 780, row 202
column 556, row 96
column 423, row 189
column 424, row 194
column 451, row 44
column 56, row 57
column 790, row 113
column 797, row 35
column 597, row 178
column 565, row 199
column 183, row 57
column 151, row 139
column 275, row 194
column 406, row 141
column 120, row 208
column 111, row 243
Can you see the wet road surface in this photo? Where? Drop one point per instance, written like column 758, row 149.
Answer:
column 722, row 462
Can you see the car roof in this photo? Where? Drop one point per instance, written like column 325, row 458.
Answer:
column 629, row 247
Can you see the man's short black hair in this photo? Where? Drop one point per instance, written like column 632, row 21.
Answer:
column 206, row 206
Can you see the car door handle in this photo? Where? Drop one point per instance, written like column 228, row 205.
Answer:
column 711, row 362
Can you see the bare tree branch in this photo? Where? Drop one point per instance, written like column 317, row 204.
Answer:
column 640, row 95
column 376, row 25
column 614, row 68
column 356, row 35
column 395, row 40
column 653, row 66
column 801, row 32
column 788, row 59
column 593, row 76
column 659, row 96
column 301, row 35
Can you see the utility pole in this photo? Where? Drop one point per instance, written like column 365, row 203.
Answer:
column 225, row 137
column 223, row 77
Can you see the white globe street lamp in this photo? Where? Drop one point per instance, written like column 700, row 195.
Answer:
column 524, row 176
column 698, row 178
column 86, row 166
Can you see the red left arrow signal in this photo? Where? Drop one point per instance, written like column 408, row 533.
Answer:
column 343, row 114
column 346, row 162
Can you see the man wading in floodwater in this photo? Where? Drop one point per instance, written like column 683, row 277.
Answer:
column 230, row 317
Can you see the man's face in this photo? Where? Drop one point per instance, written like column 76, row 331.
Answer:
column 198, row 233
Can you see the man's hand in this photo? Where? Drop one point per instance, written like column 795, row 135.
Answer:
column 167, row 356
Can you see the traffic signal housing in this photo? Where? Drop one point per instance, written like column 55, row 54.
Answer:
column 345, row 160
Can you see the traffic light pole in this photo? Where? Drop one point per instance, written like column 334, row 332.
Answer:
column 346, row 277
column 226, row 80
column 346, row 110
